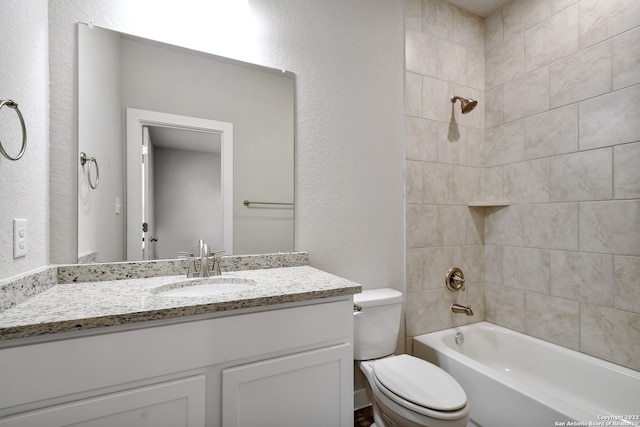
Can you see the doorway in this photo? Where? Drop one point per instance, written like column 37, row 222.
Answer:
column 179, row 184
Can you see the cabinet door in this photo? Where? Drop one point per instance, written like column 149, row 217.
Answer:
column 308, row 389
column 171, row 404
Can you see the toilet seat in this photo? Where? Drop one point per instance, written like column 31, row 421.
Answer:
column 419, row 386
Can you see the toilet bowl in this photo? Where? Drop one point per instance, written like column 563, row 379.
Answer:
column 411, row 392
column 404, row 391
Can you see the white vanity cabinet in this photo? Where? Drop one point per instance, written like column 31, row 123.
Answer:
column 290, row 366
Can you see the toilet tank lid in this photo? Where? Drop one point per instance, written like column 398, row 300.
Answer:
column 376, row 297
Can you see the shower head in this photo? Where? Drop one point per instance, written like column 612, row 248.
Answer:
column 466, row 104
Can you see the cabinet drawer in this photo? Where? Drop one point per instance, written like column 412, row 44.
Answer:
column 179, row 403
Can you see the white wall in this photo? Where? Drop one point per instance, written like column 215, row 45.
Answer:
column 24, row 189
column 348, row 59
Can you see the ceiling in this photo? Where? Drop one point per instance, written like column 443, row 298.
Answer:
column 482, row 8
column 183, row 139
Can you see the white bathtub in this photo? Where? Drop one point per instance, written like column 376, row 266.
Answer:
column 512, row 379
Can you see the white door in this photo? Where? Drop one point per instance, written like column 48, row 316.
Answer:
column 149, row 236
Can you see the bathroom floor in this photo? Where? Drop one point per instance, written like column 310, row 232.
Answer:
column 363, row 417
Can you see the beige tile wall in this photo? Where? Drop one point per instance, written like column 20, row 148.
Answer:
column 557, row 135
column 445, row 163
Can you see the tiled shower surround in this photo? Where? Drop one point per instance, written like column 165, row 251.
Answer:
column 556, row 134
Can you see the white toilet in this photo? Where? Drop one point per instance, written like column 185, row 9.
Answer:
column 404, row 390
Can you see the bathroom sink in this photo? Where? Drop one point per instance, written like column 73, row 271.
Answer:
column 210, row 286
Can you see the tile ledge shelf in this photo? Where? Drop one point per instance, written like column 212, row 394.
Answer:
column 488, row 203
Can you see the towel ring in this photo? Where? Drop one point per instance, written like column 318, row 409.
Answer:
column 11, row 104
column 92, row 161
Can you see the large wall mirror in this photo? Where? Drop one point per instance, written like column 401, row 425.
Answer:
column 180, row 146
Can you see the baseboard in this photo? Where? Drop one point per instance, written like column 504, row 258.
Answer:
column 360, row 399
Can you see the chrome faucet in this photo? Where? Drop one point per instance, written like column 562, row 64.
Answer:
column 457, row 308
column 205, row 253
column 204, row 259
column 206, row 269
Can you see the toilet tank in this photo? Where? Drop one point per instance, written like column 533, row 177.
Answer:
column 376, row 326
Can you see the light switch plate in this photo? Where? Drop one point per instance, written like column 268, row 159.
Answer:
column 19, row 238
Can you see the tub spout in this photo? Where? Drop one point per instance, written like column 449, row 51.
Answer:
column 457, row 308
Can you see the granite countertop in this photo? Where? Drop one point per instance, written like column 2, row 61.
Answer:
column 87, row 305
